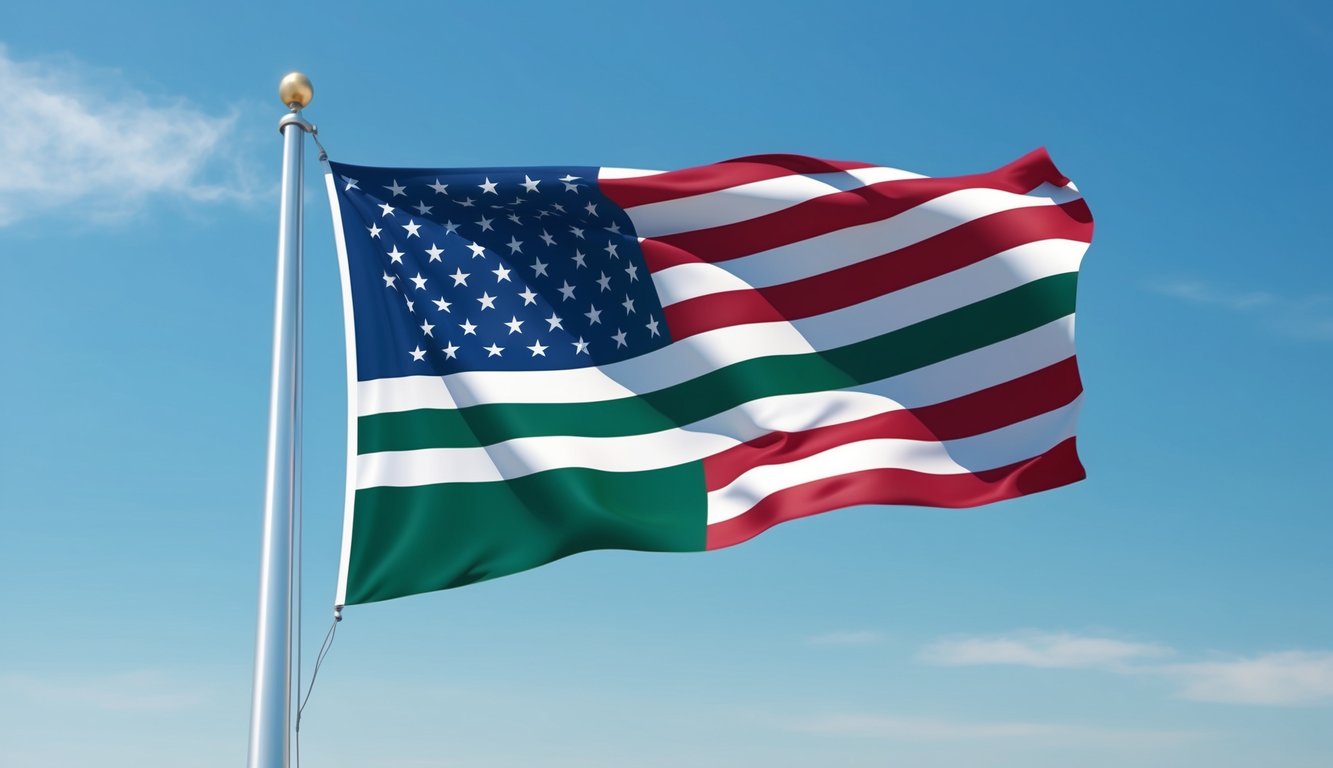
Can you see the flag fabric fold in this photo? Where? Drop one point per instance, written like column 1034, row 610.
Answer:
column 548, row 360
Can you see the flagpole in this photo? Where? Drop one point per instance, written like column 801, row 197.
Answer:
column 270, row 711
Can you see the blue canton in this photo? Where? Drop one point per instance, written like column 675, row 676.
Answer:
column 491, row 269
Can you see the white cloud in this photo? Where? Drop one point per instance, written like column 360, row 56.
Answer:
column 1300, row 317
column 133, row 691
column 930, row 729
column 1033, row 649
column 1196, row 292
column 1285, row 678
column 862, row 637
column 1290, row 678
column 70, row 136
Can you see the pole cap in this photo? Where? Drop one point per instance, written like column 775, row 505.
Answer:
column 296, row 91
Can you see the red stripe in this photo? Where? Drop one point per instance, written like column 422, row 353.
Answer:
column 973, row 414
column 644, row 190
column 1058, row 466
column 835, row 211
column 970, row 243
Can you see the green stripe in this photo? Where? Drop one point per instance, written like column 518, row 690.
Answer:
column 411, row 540
column 929, row 341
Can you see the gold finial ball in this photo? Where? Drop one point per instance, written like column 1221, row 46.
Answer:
column 296, row 91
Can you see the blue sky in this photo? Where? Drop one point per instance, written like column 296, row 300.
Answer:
column 1172, row 610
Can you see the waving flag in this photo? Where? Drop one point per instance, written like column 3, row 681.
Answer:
column 548, row 360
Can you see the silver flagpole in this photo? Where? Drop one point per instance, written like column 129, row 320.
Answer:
column 270, row 711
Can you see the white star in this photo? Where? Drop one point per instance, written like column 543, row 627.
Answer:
column 441, row 304
column 374, row 230
column 412, row 227
column 614, row 228
column 620, row 339
column 439, row 190
column 411, row 307
column 538, row 349
column 538, row 268
column 434, row 251
column 518, row 200
column 605, row 282
column 487, row 300
column 424, row 209
column 418, row 353
column 580, row 346
column 388, row 210
column 633, row 272
column 529, row 184
column 351, row 184
column 514, row 218
column 396, row 256
column 546, row 238
column 558, row 207
column 460, row 277
column 494, row 351
column 594, row 316
column 489, row 186
column 468, row 328
column 420, row 282
column 450, row 351
column 577, row 232
column 567, row 290
column 485, row 224
column 528, row 297
column 501, row 274
column 570, row 186
column 567, row 178
column 591, row 208
column 515, row 325
column 628, row 304
column 554, row 322
column 450, row 227
column 652, row 326
column 388, row 280
column 611, row 250
column 477, row 250
column 515, row 245
column 397, row 190
column 426, row 328
column 468, row 203
column 579, row 256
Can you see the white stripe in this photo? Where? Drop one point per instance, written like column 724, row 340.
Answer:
column 937, row 383
column 639, row 453
column 1009, row 358
column 611, row 172
column 991, row 450
column 697, row 355
column 782, row 413
column 844, row 247
column 751, row 200
column 529, row 455
column 1002, row 272
column 349, row 342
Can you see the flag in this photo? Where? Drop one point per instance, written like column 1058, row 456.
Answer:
column 548, row 360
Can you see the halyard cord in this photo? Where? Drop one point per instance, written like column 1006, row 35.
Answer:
column 300, row 517
column 319, row 660
column 323, row 153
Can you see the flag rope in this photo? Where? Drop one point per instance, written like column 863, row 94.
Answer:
column 324, row 649
column 327, row 644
